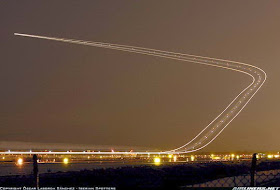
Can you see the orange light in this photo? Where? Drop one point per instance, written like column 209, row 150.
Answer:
column 20, row 161
column 65, row 160
column 192, row 158
column 269, row 156
column 216, row 158
column 157, row 161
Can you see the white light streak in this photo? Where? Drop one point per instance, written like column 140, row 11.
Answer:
column 207, row 135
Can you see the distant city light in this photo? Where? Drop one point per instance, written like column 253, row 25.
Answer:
column 175, row 158
column 170, row 155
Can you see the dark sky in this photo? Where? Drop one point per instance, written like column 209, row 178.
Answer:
column 65, row 93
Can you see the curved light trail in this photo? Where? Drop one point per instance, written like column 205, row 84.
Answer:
column 215, row 127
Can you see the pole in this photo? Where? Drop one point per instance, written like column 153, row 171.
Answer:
column 35, row 171
column 253, row 170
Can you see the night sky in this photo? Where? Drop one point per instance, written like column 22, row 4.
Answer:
column 53, row 92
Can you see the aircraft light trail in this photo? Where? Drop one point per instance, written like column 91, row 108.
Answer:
column 216, row 126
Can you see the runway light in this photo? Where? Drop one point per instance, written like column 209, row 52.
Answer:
column 269, row 156
column 65, row 160
column 157, row 161
column 216, row 158
column 20, row 161
column 192, row 158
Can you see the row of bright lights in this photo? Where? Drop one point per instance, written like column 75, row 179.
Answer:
column 157, row 160
column 273, row 156
column 20, row 161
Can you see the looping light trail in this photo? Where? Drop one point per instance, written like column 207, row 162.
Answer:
column 215, row 127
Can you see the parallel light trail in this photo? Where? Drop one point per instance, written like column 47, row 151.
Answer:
column 215, row 127
column 80, row 153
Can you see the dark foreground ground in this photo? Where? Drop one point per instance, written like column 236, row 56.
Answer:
column 141, row 177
